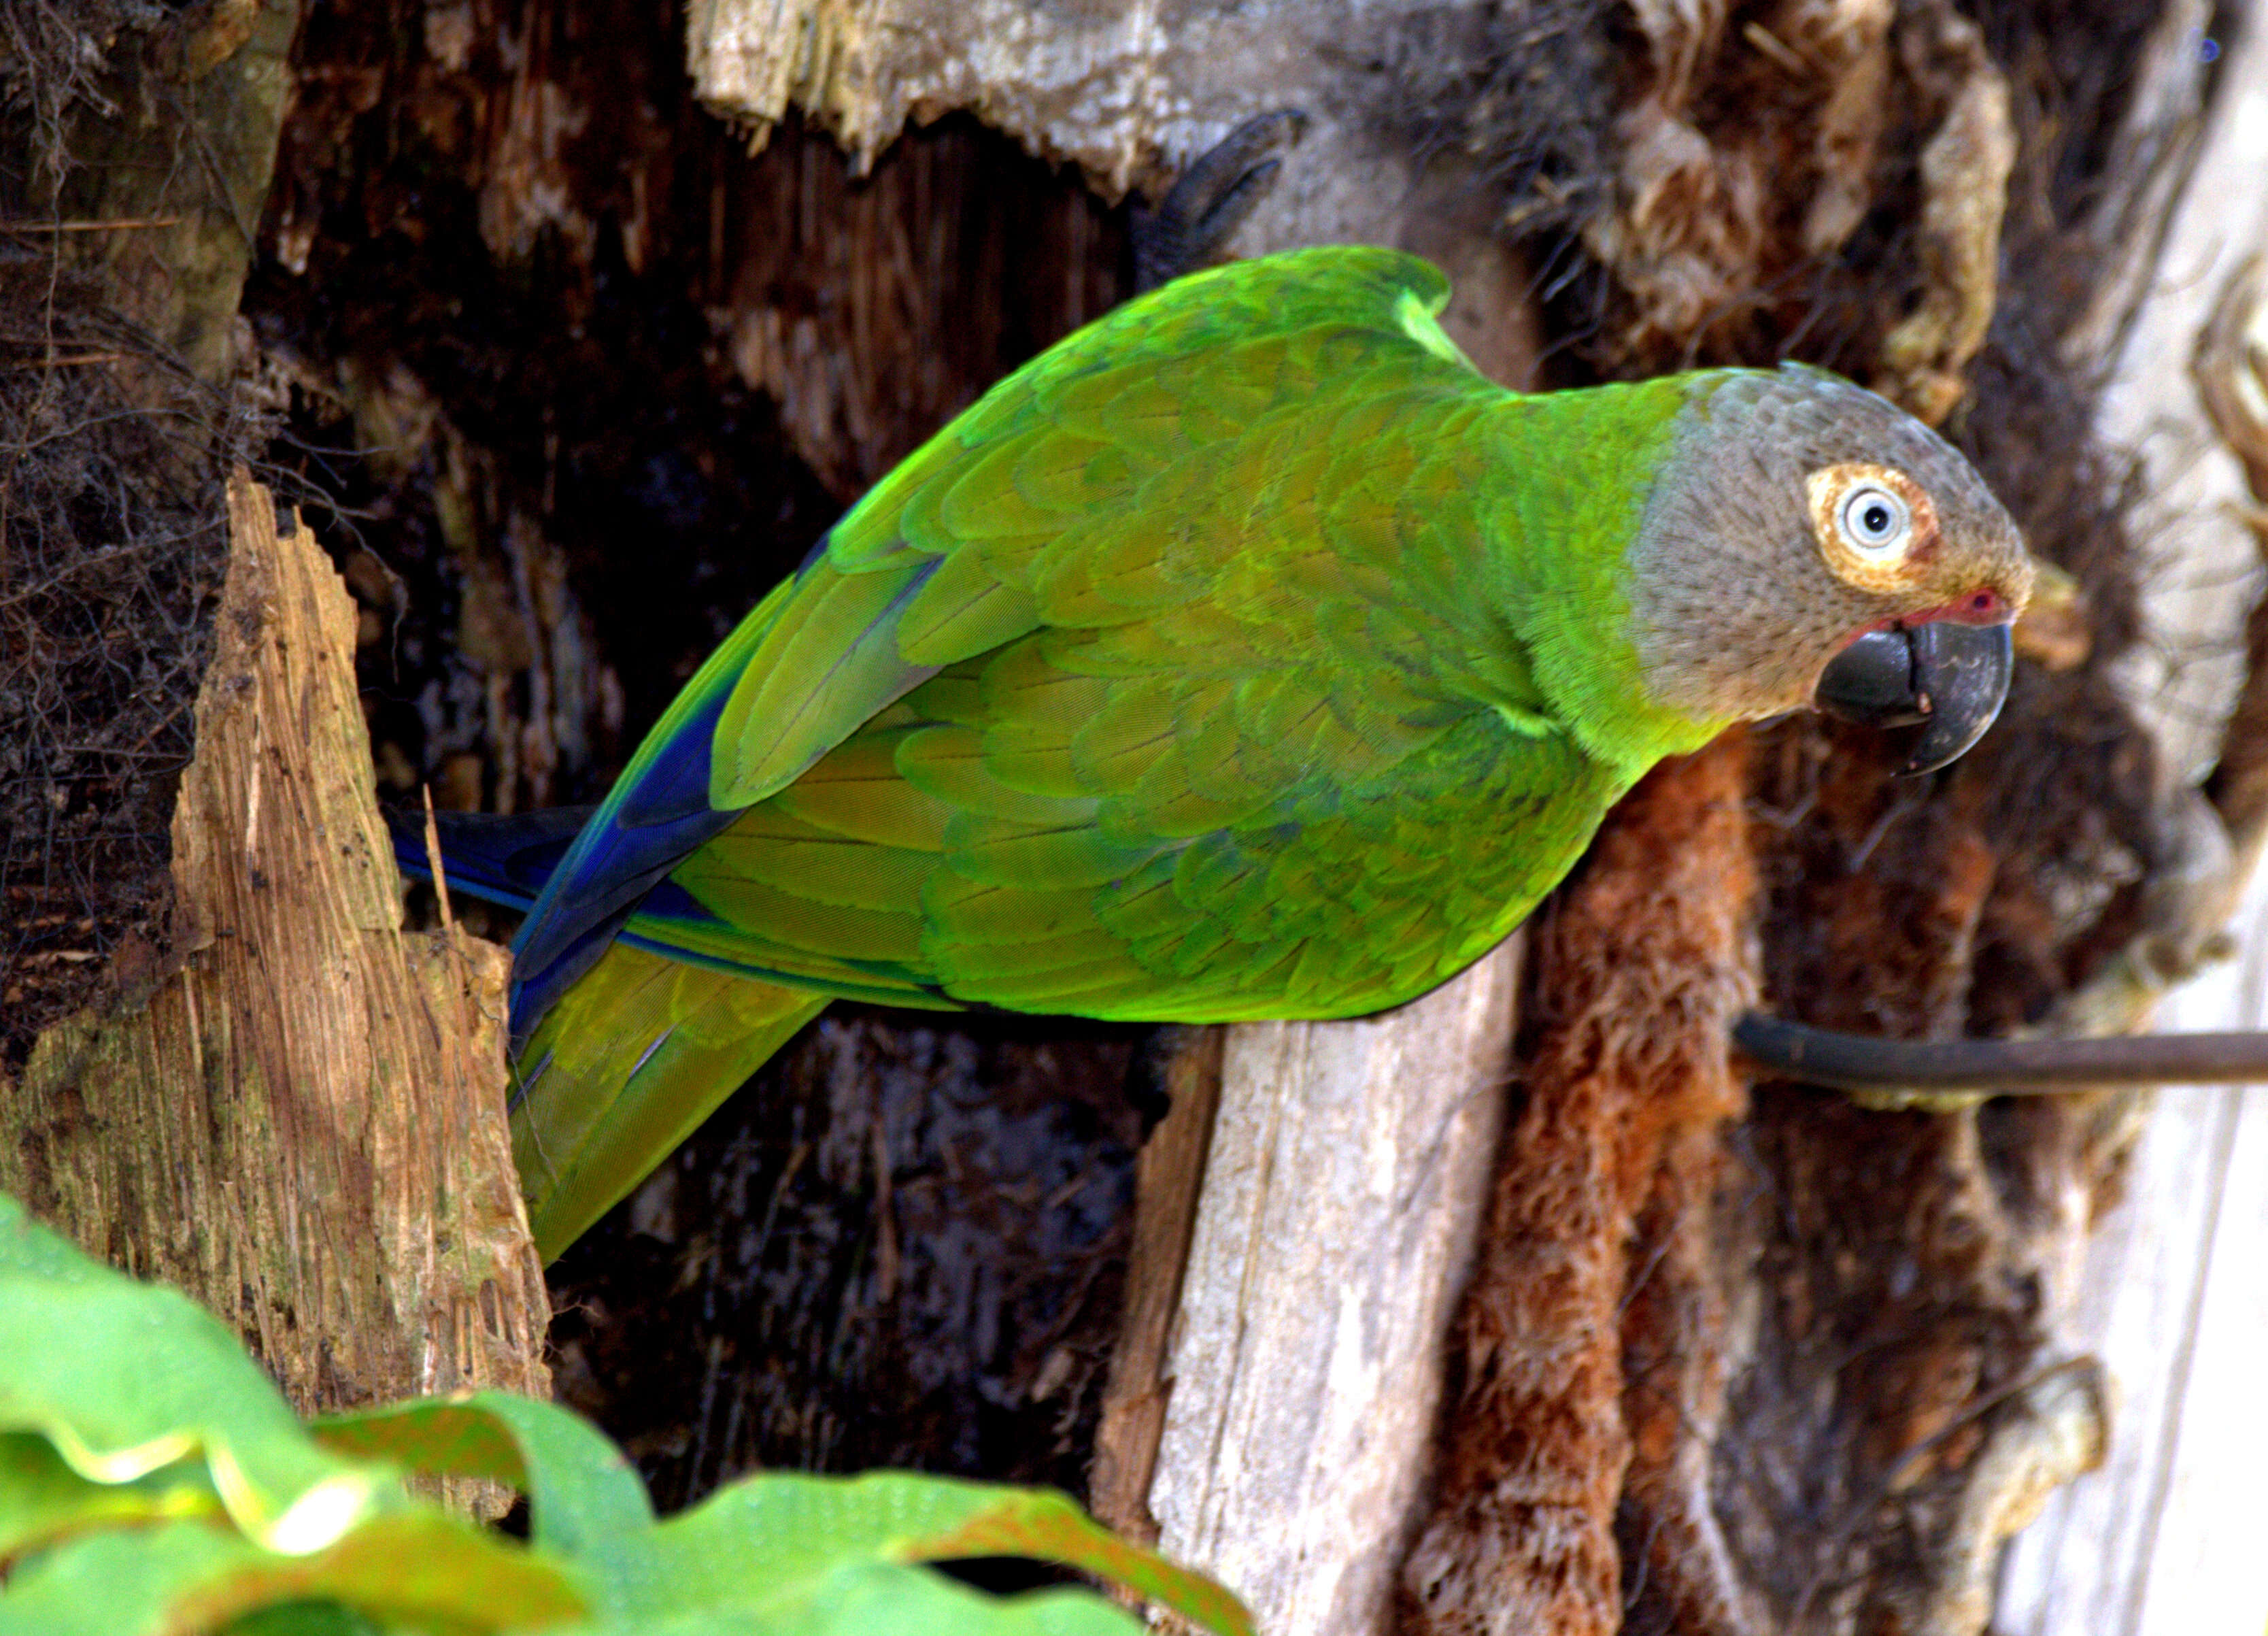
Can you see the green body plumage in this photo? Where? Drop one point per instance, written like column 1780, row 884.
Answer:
column 1248, row 655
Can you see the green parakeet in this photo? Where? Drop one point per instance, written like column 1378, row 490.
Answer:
column 1248, row 654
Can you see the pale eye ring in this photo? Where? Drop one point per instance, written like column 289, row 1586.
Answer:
column 1875, row 522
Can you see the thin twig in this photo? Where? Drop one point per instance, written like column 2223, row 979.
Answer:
column 433, row 857
column 66, row 362
column 1857, row 1062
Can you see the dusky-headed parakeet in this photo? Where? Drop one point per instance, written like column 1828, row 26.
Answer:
column 1248, row 654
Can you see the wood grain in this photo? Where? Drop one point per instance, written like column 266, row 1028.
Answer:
column 1167, row 1181
column 298, row 1116
column 1341, row 1197
column 2165, row 1537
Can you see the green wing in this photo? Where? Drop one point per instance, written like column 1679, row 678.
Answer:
column 1157, row 686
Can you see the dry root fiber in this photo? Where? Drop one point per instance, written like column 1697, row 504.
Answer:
column 1639, row 970
column 133, row 139
column 111, row 545
column 1832, row 1335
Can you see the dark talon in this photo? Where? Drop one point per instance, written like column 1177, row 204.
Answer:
column 1213, row 197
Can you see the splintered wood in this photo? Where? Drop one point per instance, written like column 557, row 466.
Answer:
column 1291, row 1420
column 1639, row 974
column 298, row 1116
column 1166, row 1182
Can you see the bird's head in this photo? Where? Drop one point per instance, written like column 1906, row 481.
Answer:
column 1810, row 543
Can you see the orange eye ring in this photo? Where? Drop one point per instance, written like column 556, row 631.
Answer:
column 1874, row 525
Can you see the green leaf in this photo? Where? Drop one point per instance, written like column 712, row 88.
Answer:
column 30, row 1250
column 125, row 1379
column 878, row 1598
column 421, row 1566
column 889, row 1596
column 117, row 1583
column 774, row 1542
column 583, row 1496
column 124, row 1404
column 42, row 1499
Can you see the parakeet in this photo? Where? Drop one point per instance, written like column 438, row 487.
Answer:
column 1247, row 655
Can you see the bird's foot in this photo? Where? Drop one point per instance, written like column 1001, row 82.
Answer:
column 1213, row 197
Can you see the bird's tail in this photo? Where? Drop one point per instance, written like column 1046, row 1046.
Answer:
column 631, row 1059
column 627, row 1066
column 498, row 858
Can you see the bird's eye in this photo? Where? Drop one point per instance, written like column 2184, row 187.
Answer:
column 1876, row 522
column 1875, row 526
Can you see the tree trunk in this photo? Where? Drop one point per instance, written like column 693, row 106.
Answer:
column 297, row 1114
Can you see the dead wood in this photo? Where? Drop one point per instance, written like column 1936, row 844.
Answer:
column 1168, row 1180
column 251, row 1085
column 1347, row 1169
column 298, row 1115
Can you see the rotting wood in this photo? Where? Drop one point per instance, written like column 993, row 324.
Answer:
column 2162, row 1540
column 1964, row 173
column 298, row 1117
column 2155, row 146
column 185, row 157
column 1128, row 94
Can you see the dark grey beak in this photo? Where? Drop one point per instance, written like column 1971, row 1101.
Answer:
column 1950, row 680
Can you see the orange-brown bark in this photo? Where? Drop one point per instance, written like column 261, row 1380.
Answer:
column 1637, row 973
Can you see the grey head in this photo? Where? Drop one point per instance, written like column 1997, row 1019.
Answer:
column 1810, row 543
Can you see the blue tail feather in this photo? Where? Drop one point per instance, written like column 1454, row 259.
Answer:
column 641, row 832
column 500, row 859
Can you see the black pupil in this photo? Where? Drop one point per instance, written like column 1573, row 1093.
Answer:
column 1876, row 519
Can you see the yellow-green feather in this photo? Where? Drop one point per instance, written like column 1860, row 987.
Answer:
column 625, row 1068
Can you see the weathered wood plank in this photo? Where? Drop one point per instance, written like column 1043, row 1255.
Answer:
column 1168, row 1179
column 2166, row 1537
column 1342, row 1195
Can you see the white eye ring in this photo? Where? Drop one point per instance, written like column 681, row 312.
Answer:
column 1875, row 522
